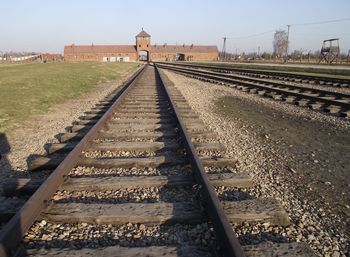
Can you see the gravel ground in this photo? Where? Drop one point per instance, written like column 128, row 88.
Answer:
column 260, row 155
column 165, row 171
column 27, row 141
column 234, row 194
column 45, row 234
column 204, row 140
column 115, row 154
column 212, row 154
column 156, row 139
column 129, row 195
column 216, row 170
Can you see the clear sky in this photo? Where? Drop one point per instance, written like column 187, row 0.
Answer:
column 48, row 25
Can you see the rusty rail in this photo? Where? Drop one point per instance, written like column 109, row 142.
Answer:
column 222, row 226
column 227, row 69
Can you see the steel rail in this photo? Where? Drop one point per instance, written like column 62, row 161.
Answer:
column 271, row 73
column 14, row 230
column 222, row 78
column 212, row 203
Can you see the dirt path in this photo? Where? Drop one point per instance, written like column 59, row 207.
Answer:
column 316, row 153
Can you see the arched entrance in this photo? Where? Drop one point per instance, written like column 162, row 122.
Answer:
column 180, row 57
column 143, row 55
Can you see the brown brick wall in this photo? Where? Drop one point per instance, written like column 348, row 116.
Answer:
column 134, row 56
column 97, row 57
column 143, row 43
column 188, row 56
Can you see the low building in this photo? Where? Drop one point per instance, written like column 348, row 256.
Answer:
column 142, row 51
column 33, row 57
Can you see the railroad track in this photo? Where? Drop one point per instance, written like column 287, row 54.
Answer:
column 323, row 100
column 285, row 76
column 146, row 179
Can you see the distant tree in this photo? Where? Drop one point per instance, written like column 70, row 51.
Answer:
column 295, row 54
column 280, row 43
column 265, row 55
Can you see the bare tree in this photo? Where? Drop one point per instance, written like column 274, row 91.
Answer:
column 280, row 43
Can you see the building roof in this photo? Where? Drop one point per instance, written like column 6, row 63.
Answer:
column 183, row 48
column 80, row 49
column 143, row 34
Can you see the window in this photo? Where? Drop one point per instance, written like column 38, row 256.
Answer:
column 139, row 45
column 147, row 45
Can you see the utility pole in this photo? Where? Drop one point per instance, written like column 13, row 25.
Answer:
column 301, row 54
column 287, row 43
column 258, row 51
column 223, row 51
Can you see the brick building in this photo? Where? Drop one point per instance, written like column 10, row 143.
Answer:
column 142, row 51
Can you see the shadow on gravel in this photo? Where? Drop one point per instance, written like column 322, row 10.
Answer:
column 235, row 194
column 4, row 150
column 250, row 238
column 7, row 205
column 47, row 146
column 6, row 169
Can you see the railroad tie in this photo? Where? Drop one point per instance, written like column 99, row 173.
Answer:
column 257, row 210
column 24, row 186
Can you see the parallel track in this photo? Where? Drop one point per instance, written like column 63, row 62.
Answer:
column 332, row 102
column 149, row 139
column 285, row 76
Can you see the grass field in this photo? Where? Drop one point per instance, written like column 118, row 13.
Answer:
column 28, row 89
column 334, row 73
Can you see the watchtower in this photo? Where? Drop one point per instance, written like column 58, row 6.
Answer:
column 330, row 50
column 143, row 43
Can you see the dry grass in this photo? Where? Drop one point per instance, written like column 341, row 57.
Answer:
column 29, row 89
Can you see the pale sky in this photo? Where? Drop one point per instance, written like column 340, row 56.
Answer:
column 48, row 25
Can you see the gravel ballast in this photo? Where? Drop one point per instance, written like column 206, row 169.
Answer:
column 129, row 195
column 165, row 171
column 45, row 234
